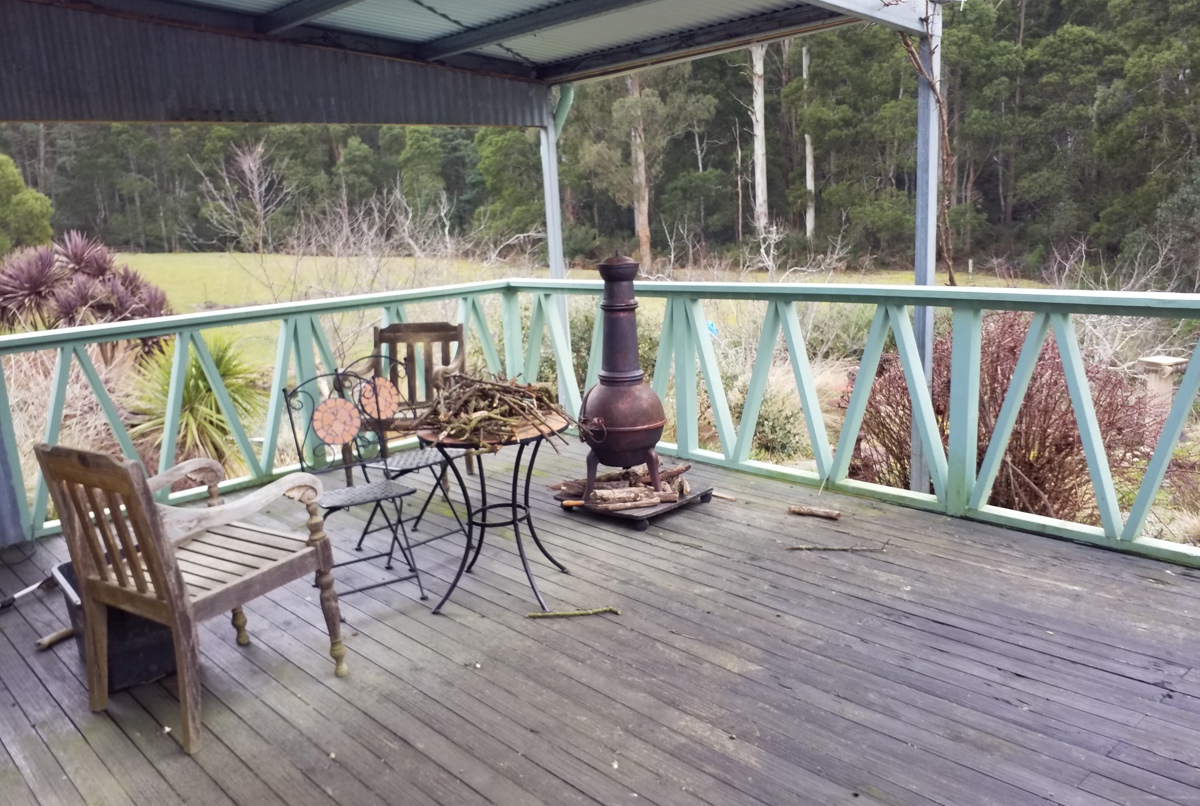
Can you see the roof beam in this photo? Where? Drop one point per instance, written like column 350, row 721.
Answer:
column 561, row 14
column 692, row 44
column 298, row 13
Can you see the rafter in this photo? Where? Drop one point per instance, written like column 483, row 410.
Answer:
column 714, row 38
column 298, row 13
column 525, row 24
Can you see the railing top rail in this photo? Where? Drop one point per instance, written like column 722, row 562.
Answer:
column 168, row 325
column 1021, row 299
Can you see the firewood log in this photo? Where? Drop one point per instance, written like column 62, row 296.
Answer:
column 626, row 494
column 617, row 506
column 816, row 512
column 634, row 477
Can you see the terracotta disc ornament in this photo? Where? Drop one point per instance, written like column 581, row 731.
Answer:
column 336, row 421
column 379, row 398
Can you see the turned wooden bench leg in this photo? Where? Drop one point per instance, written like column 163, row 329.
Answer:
column 329, row 602
column 239, row 624
column 333, row 620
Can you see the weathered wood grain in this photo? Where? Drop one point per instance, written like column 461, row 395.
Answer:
column 965, row 665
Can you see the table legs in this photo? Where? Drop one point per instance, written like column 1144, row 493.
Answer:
column 520, row 511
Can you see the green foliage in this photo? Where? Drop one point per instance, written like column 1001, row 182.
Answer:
column 781, row 434
column 511, row 169
column 203, row 427
column 421, row 168
column 24, row 213
column 835, row 330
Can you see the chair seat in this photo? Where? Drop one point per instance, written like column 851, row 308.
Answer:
column 363, row 494
column 406, row 461
column 226, row 554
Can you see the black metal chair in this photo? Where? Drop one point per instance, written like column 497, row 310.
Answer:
column 339, row 423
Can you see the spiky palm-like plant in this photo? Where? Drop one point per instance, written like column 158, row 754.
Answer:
column 77, row 252
column 203, row 428
column 28, row 282
column 76, row 282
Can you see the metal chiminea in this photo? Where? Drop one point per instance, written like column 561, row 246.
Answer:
column 622, row 417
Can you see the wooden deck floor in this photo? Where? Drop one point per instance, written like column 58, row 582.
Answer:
column 964, row 665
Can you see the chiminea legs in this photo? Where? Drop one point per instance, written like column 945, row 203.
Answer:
column 593, row 463
column 652, row 465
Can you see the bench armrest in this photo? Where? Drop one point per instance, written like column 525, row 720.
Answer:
column 180, row 523
column 206, row 471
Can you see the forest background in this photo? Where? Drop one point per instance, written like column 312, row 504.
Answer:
column 1072, row 124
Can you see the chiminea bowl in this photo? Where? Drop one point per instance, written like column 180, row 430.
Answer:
column 621, row 423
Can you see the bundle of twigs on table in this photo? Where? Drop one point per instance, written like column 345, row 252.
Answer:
column 489, row 412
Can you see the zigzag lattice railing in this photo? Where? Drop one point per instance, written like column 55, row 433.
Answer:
column 687, row 354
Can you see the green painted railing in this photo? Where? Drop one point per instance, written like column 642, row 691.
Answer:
column 686, row 352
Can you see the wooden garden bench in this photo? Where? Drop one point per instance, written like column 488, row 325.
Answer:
column 178, row 566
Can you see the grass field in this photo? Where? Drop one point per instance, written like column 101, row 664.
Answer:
column 205, row 281
column 200, row 281
column 213, row 280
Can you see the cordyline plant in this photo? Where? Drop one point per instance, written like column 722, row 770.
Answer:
column 203, row 429
column 1044, row 471
column 73, row 282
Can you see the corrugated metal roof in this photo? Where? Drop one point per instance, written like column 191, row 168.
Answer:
column 106, row 67
column 546, row 40
column 245, row 6
column 424, row 21
column 636, row 24
column 398, row 19
column 474, row 14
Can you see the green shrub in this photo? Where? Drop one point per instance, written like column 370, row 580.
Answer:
column 203, row 428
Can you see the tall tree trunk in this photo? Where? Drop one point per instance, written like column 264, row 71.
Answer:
column 758, row 119
column 641, row 181
column 810, row 168
column 1012, row 151
column 788, row 146
column 737, row 155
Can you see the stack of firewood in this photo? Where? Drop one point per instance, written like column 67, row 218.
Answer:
column 627, row 489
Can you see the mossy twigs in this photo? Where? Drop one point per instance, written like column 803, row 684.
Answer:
column 573, row 613
column 837, row 548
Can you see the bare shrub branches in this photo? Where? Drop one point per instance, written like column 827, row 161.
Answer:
column 245, row 195
column 1045, row 469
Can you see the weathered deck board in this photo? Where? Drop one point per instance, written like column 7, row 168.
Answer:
column 966, row 664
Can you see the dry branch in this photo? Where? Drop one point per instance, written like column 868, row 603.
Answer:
column 816, row 512
column 837, row 548
column 573, row 613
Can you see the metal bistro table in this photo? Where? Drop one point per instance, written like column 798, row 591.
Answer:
column 516, row 507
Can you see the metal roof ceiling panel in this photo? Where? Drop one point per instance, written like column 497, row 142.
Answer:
column 638, row 23
column 547, row 41
column 244, row 6
column 396, row 19
column 474, row 14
